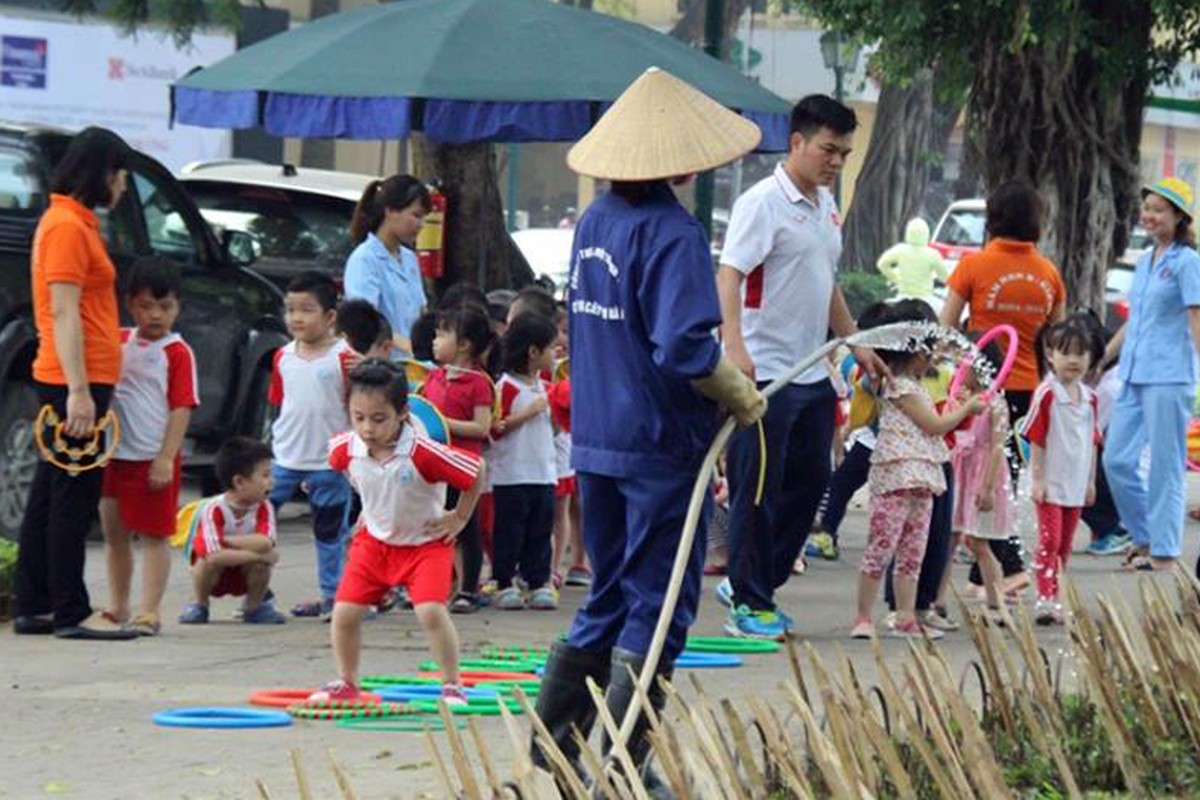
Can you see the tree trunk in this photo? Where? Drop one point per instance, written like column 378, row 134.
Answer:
column 892, row 183
column 1044, row 113
column 478, row 247
column 690, row 27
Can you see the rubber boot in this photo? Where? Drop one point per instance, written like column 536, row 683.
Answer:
column 564, row 701
column 621, row 690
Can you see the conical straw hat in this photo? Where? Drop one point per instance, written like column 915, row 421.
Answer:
column 661, row 127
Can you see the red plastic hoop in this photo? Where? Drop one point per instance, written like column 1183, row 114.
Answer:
column 282, row 698
column 1010, row 358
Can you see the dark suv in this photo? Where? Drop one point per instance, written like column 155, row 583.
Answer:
column 230, row 315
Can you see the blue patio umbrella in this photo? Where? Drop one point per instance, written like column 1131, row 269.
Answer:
column 457, row 70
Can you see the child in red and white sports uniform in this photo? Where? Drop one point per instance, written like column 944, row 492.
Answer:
column 1063, row 435
column 233, row 549
column 153, row 399
column 568, row 528
column 463, row 392
column 523, row 467
column 308, row 383
column 405, row 534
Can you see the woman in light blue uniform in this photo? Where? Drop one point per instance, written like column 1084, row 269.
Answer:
column 383, row 270
column 1158, row 347
column 647, row 382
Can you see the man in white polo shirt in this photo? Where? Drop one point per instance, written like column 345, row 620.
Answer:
column 778, row 303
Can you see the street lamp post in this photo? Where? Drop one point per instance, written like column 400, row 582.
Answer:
column 841, row 56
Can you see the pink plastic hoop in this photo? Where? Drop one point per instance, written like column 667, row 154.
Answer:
column 1010, row 358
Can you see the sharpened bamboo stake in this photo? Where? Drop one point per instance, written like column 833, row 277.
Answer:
column 523, row 769
column 301, row 778
column 840, row 784
column 617, row 742
column 484, row 756
column 462, row 765
column 741, row 745
column 711, row 731
column 443, row 773
column 544, row 741
column 790, row 771
column 339, row 775
column 263, row 792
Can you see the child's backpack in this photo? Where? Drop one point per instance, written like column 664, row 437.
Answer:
column 187, row 522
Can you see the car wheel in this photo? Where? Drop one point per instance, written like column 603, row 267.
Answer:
column 259, row 415
column 18, row 454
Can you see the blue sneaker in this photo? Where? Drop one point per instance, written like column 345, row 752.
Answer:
column 746, row 624
column 789, row 624
column 1111, row 544
column 194, row 614
column 263, row 614
column 822, row 545
column 724, row 593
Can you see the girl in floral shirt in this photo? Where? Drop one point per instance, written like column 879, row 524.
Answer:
column 906, row 474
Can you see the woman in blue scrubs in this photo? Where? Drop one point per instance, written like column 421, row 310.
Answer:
column 1158, row 347
column 647, row 383
column 383, row 270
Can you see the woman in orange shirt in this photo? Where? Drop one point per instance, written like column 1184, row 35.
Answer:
column 78, row 362
column 1009, row 282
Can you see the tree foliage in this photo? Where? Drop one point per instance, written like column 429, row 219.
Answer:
column 181, row 18
column 1057, row 90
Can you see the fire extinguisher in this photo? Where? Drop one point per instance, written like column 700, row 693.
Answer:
column 431, row 238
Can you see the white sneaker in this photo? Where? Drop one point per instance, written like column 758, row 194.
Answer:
column 914, row 630
column 930, row 618
column 1047, row 612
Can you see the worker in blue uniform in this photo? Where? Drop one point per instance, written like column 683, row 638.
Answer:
column 1158, row 347
column 648, row 384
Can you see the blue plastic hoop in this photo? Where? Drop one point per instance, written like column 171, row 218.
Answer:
column 406, row 694
column 219, row 717
column 692, row 660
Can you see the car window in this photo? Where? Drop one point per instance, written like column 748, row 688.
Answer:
column 962, row 228
column 166, row 222
column 290, row 225
column 18, row 185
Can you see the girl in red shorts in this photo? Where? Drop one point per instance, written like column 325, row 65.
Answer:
column 154, row 399
column 405, row 534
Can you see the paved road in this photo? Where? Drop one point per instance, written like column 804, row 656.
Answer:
column 77, row 714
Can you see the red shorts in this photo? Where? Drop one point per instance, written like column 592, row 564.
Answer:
column 373, row 567
column 143, row 510
column 565, row 487
column 230, row 583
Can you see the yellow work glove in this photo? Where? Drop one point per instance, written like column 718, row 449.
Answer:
column 729, row 387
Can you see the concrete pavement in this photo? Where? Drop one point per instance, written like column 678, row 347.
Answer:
column 76, row 715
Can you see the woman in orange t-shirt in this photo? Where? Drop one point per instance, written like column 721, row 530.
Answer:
column 1009, row 282
column 78, row 362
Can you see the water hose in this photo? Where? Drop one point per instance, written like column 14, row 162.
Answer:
column 898, row 336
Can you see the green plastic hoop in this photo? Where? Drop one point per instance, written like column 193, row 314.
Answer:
column 404, row 723
column 515, row 653
column 372, row 681
column 491, row 665
column 479, row 707
column 722, row 644
column 505, row 688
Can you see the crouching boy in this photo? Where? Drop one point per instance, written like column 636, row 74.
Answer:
column 233, row 549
